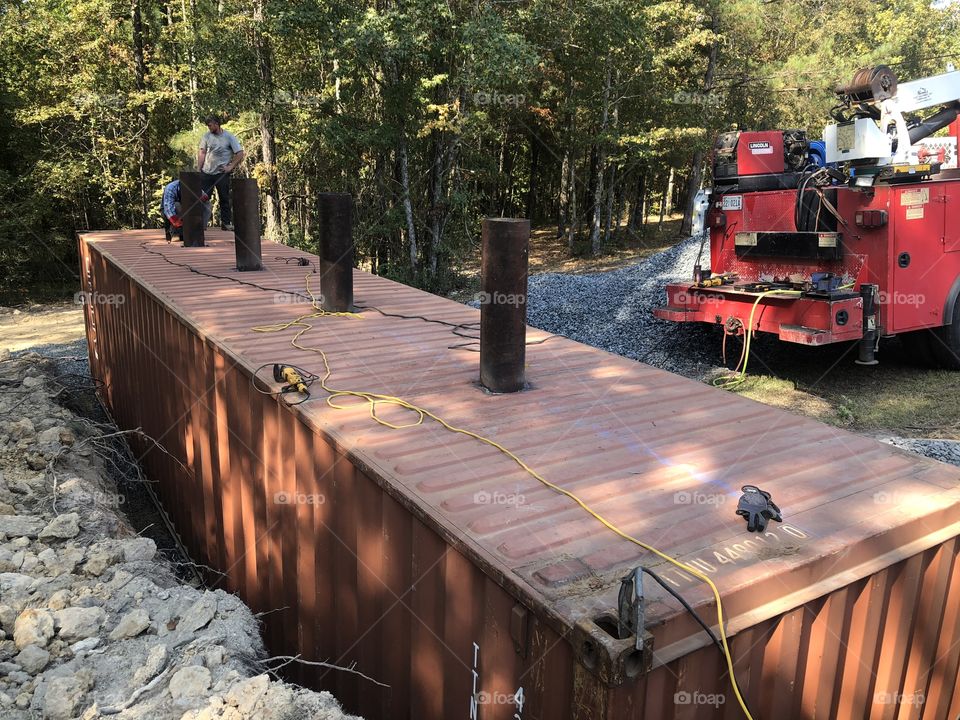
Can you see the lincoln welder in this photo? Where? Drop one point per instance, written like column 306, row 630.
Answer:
column 852, row 239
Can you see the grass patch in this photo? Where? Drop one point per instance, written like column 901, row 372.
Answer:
column 895, row 397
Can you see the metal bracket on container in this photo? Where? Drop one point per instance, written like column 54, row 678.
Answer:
column 617, row 648
column 520, row 629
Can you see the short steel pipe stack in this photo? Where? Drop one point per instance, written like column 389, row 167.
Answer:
column 191, row 208
column 246, row 223
column 336, row 251
column 503, row 303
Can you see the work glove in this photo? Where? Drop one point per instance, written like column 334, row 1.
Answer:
column 176, row 221
column 757, row 508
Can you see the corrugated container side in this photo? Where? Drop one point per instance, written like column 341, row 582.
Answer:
column 358, row 576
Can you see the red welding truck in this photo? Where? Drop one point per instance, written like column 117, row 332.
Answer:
column 852, row 239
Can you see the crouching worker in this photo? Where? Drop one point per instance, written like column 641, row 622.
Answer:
column 172, row 210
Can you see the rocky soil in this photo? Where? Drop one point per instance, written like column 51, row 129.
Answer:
column 94, row 622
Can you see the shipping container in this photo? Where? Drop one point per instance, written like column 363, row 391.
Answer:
column 433, row 564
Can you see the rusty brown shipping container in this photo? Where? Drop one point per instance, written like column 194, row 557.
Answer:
column 435, row 565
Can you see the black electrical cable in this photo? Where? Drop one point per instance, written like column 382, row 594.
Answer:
column 689, row 608
column 454, row 326
column 306, row 376
column 693, row 613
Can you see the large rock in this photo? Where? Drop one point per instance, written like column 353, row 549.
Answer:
column 62, row 527
column 56, row 435
column 101, row 556
column 199, row 614
column 21, row 525
column 155, row 662
column 11, row 582
column 64, row 696
column 34, row 626
column 22, row 429
column 8, row 616
column 189, row 682
column 77, row 623
column 11, row 561
column 32, row 659
column 138, row 549
column 62, row 561
column 246, row 694
column 131, row 625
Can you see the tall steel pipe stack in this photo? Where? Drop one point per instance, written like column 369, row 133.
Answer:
column 503, row 303
column 191, row 208
column 336, row 251
column 246, row 223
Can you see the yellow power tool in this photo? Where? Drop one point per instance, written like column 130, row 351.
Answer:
column 293, row 381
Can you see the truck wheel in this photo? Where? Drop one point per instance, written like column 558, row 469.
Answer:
column 919, row 347
column 946, row 342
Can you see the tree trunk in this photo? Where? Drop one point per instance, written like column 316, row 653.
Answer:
column 669, row 194
column 594, row 190
column 264, row 55
column 618, row 210
column 174, row 50
column 595, row 243
column 140, row 74
column 611, row 193
column 534, row 167
column 566, row 166
column 636, row 208
column 663, row 200
column 190, row 21
column 436, row 201
column 572, row 221
column 696, row 164
column 407, row 204
column 563, row 208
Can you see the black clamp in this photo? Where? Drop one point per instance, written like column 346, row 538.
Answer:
column 757, row 508
column 630, row 606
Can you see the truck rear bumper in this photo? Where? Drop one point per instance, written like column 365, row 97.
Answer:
column 803, row 320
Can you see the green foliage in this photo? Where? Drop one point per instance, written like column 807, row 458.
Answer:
column 487, row 102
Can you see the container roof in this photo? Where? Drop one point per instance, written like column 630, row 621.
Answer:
column 662, row 456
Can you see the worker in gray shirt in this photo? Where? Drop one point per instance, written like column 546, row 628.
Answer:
column 220, row 152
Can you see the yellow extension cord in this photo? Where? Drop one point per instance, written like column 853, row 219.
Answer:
column 729, row 382
column 422, row 413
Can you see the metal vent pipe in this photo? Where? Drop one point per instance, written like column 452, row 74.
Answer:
column 503, row 303
column 191, row 208
column 336, row 251
column 246, row 223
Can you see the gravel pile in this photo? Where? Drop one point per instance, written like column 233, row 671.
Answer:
column 947, row 451
column 94, row 622
column 614, row 311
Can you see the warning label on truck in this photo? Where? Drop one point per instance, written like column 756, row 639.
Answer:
column 915, row 213
column 915, row 197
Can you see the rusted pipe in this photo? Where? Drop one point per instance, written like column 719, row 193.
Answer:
column 503, row 303
column 336, row 251
column 246, row 223
column 191, row 208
